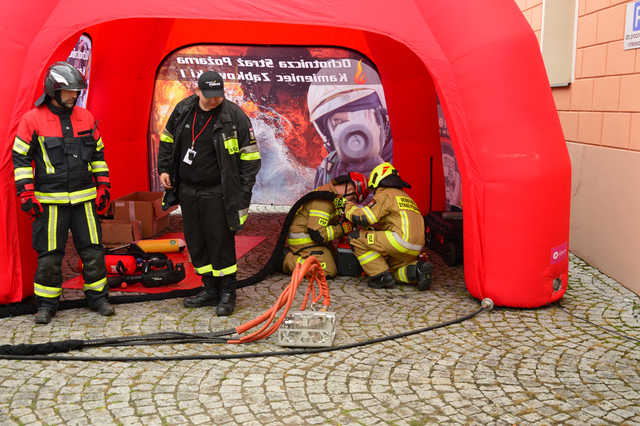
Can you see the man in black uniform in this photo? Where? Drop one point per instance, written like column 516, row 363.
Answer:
column 209, row 156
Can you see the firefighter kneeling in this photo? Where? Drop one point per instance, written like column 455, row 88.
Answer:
column 317, row 223
column 391, row 249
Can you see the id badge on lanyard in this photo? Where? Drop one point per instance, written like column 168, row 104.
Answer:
column 190, row 155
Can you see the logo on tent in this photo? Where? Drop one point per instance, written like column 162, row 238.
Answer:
column 360, row 77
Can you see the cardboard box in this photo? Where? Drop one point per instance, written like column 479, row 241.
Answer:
column 115, row 232
column 143, row 206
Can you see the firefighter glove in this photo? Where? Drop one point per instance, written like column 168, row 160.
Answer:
column 339, row 203
column 346, row 226
column 30, row 204
column 102, row 199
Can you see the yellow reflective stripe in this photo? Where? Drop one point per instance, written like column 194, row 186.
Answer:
column 368, row 256
column 231, row 145
column 405, row 224
column 299, row 241
column 52, row 228
column 243, row 219
column 402, row 274
column 250, row 148
column 250, row 156
column 83, row 195
column 225, row 271
column 299, row 259
column 66, row 197
column 370, row 216
column 91, row 223
column 20, row 146
column 402, row 246
column 44, row 291
column 99, row 166
column 330, row 233
column 47, row 163
column 23, row 173
column 99, row 145
column 319, row 213
column 166, row 137
column 203, row 269
column 95, row 286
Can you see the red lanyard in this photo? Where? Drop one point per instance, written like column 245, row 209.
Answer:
column 193, row 128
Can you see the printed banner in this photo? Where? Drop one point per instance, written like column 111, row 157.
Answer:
column 80, row 58
column 452, row 180
column 317, row 113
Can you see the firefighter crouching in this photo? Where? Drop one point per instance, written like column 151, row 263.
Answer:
column 62, row 180
column 317, row 223
column 388, row 253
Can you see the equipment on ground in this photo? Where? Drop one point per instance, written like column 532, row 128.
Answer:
column 131, row 264
column 444, row 235
column 150, row 276
column 346, row 261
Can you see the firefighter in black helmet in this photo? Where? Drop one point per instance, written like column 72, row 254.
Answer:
column 62, row 180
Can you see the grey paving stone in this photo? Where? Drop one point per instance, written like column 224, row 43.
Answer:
column 574, row 362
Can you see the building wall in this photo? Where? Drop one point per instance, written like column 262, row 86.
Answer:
column 600, row 116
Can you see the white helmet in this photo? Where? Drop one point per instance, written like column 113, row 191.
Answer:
column 327, row 92
column 355, row 86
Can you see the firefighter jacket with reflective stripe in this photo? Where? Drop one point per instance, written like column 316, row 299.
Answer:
column 60, row 154
column 391, row 209
column 236, row 151
column 315, row 222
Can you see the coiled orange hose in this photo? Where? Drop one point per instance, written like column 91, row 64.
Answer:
column 312, row 270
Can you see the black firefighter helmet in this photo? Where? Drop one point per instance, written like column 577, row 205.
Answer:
column 61, row 76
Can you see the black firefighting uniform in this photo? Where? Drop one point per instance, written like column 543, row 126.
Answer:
column 215, row 189
column 314, row 226
column 62, row 155
column 398, row 234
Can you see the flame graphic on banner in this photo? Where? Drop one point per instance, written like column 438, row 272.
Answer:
column 361, row 76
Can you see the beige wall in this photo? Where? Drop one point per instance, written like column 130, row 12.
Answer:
column 600, row 116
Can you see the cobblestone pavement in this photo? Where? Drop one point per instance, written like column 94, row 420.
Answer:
column 574, row 362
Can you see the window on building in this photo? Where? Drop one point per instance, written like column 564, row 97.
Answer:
column 558, row 40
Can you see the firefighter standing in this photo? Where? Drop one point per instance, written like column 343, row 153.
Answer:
column 390, row 251
column 317, row 223
column 58, row 158
column 209, row 156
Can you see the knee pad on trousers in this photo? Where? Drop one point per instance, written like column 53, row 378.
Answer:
column 93, row 266
column 49, row 269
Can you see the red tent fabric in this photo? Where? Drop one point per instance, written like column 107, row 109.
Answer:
column 490, row 80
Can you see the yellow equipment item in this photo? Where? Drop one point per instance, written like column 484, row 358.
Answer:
column 167, row 245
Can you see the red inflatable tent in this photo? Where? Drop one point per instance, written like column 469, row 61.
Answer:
column 490, row 80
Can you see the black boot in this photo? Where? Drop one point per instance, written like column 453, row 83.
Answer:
column 227, row 296
column 424, row 272
column 208, row 296
column 383, row 280
column 103, row 307
column 44, row 315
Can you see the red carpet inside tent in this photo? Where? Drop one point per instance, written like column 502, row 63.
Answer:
column 244, row 244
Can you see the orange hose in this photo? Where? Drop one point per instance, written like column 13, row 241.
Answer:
column 311, row 269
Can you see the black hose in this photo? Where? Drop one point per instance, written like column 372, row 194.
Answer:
column 486, row 305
